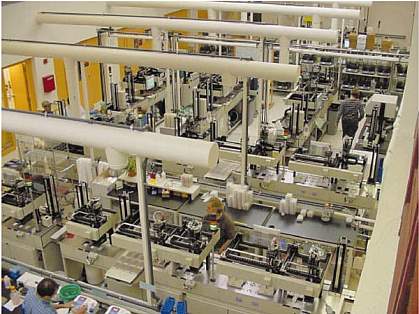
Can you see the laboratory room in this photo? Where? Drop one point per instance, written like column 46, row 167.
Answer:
column 209, row 157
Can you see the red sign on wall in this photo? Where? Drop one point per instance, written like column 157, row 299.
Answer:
column 49, row 83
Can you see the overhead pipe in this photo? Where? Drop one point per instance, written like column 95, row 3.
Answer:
column 194, row 63
column 123, row 139
column 192, row 25
column 243, row 7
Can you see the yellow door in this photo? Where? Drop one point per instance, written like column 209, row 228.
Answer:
column 19, row 85
column 8, row 143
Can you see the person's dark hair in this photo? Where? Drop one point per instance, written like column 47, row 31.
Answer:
column 46, row 287
column 355, row 93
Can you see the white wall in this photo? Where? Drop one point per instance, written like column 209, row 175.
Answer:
column 377, row 275
column 18, row 21
column 40, row 70
column 396, row 18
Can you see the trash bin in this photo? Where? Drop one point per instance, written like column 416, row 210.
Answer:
column 332, row 118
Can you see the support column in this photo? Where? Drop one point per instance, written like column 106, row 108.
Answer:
column 145, row 228
column 334, row 23
column 212, row 15
column 316, row 21
column 251, row 20
column 84, row 89
column 107, row 68
column 284, row 53
column 269, row 82
column 340, row 59
column 72, row 77
column 86, row 101
column 297, row 55
column 316, row 24
column 220, row 48
column 169, row 99
column 244, row 133
column 243, row 16
column 193, row 13
column 178, row 81
column 157, row 42
column 115, row 68
column 259, row 97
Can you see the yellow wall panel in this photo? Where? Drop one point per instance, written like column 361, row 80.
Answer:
column 178, row 13
column 93, row 83
column 60, row 79
column 92, row 77
column 202, row 14
column 8, row 142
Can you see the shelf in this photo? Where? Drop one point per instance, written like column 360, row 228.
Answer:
column 319, row 64
column 282, row 90
column 363, row 90
column 365, row 74
column 401, row 56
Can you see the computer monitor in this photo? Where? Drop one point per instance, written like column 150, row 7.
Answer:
column 346, row 43
column 149, row 83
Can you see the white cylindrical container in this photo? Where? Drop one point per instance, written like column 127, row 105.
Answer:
column 116, row 159
column 283, row 208
column 94, row 276
column 292, row 206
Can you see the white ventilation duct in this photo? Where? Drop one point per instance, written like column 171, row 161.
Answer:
column 243, row 7
column 219, row 27
column 194, row 63
column 124, row 140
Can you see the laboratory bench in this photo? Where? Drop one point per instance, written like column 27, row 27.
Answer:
column 154, row 200
column 313, row 228
column 258, row 214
